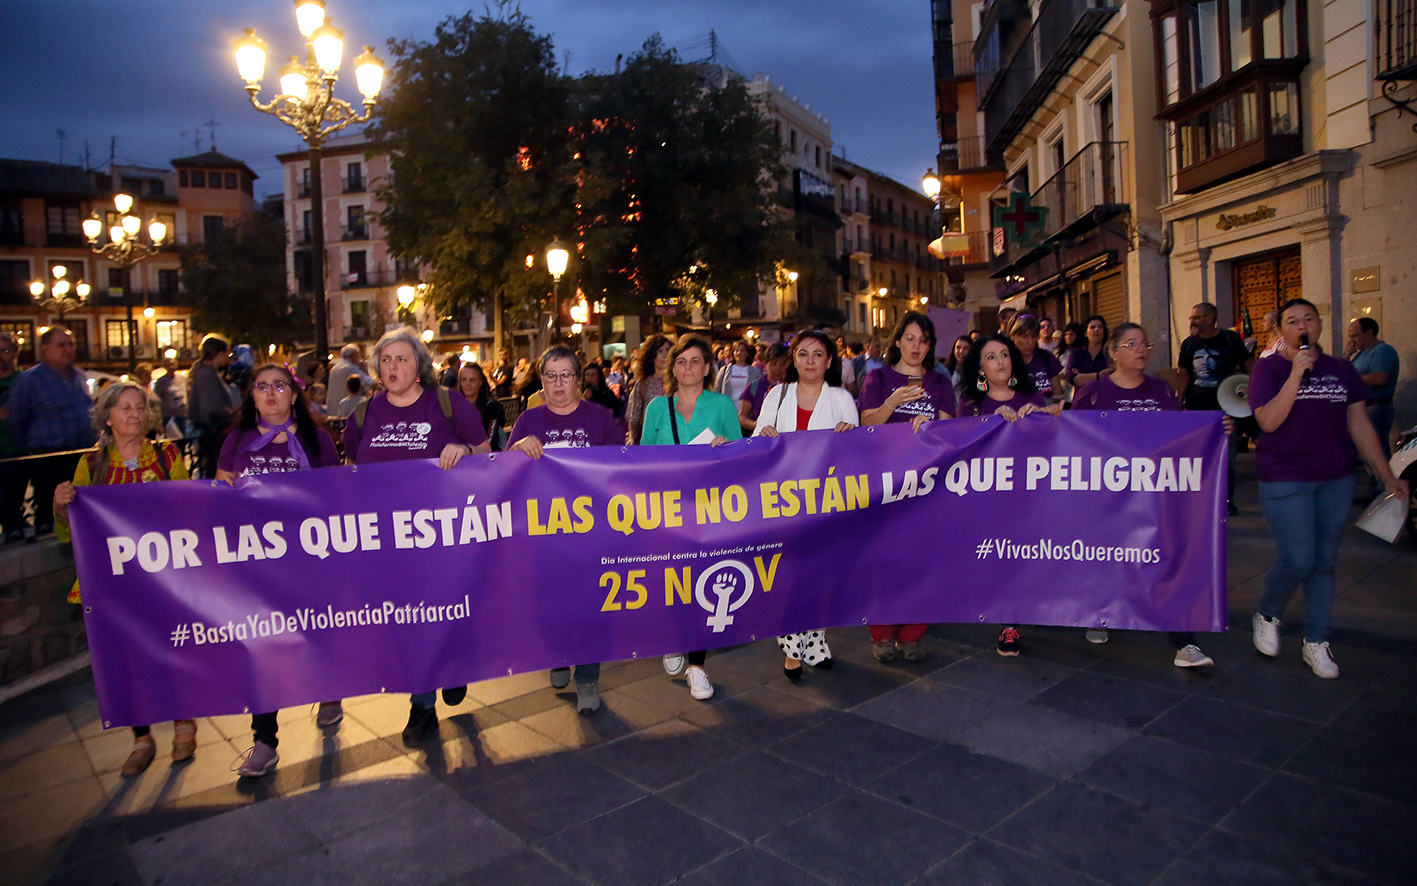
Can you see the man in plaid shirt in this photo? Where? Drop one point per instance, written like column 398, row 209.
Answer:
column 49, row 412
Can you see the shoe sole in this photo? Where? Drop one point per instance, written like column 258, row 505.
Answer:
column 676, row 671
column 1007, row 653
column 263, row 773
column 1194, row 664
column 560, row 681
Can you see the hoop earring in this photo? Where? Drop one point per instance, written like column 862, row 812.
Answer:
column 983, row 384
column 1013, row 382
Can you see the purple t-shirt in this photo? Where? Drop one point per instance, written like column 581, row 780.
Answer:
column 880, row 383
column 1152, row 395
column 273, row 458
column 1043, row 367
column 419, row 430
column 1313, row 444
column 590, row 425
column 1081, row 361
column 754, row 396
column 988, row 405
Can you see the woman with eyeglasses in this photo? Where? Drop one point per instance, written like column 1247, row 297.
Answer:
column 566, row 421
column 1127, row 388
column 689, row 414
column 414, row 417
column 810, row 398
column 275, row 434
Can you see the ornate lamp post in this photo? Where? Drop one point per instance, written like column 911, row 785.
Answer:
column 306, row 101
column 125, row 249
column 556, row 260
column 61, row 298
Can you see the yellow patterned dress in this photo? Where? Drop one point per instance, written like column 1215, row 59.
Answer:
column 152, row 465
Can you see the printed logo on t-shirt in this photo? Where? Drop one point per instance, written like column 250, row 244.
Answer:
column 1205, row 366
column 1328, row 388
column 412, row 436
column 273, row 464
column 574, row 438
column 1138, row 404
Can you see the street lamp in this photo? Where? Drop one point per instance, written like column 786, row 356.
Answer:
column 125, row 249
column 711, row 297
column 306, row 101
column 556, row 260
column 59, row 296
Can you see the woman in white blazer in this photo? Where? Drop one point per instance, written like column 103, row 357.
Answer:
column 810, row 399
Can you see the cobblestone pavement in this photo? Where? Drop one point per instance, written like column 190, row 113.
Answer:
column 1074, row 763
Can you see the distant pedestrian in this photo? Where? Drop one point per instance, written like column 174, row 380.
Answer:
column 1377, row 362
column 210, row 403
column 48, row 412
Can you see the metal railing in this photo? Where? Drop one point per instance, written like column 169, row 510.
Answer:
column 1088, row 189
column 353, row 185
column 1395, row 39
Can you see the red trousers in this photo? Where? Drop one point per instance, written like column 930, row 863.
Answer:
column 899, row 633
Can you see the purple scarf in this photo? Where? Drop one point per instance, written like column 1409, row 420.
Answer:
column 270, row 432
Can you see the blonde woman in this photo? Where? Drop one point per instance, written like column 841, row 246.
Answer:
column 123, row 416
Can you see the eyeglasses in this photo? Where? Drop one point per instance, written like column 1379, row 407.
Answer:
column 559, row 377
column 1136, row 347
column 266, row 387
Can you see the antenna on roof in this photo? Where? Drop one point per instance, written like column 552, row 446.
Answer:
column 60, row 133
column 211, row 126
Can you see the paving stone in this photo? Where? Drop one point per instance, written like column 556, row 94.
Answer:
column 1113, row 839
column 1176, row 778
column 754, row 795
column 1233, row 730
column 760, row 716
column 751, row 865
column 1109, row 700
column 852, row 749
column 49, row 812
column 969, row 790
column 1332, row 825
column 562, row 792
column 1016, row 679
column 526, row 866
column 1263, row 685
column 450, row 838
column 666, row 754
column 864, row 839
column 986, row 863
column 1380, row 712
column 112, row 868
column 337, row 811
column 1227, row 858
column 242, row 840
column 647, row 842
column 846, row 685
column 1366, row 763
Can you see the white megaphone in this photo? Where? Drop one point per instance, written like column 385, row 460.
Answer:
column 1234, row 396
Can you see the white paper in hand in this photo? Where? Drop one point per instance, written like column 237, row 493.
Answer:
column 1384, row 517
column 703, row 439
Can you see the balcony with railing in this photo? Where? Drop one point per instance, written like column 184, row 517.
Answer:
column 1012, row 90
column 1087, row 192
column 968, row 155
column 353, row 184
column 370, row 279
column 954, row 61
column 1395, row 41
column 354, row 232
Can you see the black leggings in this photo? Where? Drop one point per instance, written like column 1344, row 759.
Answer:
column 696, row 658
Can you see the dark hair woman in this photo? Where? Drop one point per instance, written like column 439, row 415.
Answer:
column 649, row 382
column 1127, row 388
column 1313, row 418
column 595, row 389
column 958, row 351
column 276, row 434
column 472, row 384
column 1039, row 363
column 905, row 388
column 123, row 415
column 1086, row 364
column 996, row 380
column 738, row 373
column 811, row 398
column 689, row 413
column 413, row 417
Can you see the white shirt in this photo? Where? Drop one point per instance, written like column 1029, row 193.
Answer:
column 835, row 405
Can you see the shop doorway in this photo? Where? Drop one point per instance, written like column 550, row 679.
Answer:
column 1263, row 283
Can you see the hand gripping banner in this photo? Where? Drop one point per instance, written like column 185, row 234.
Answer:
column 202, row 599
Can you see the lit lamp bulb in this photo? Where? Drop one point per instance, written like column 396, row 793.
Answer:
column 149, row 313
column 368, row 73
column 405, row 295
column 328, row 42
column 82, row 290
column 59, row 271
column 930, row 184
column 292, row 79
column 132, row 225
column 309, row 15
column 115, row 233
column 250, row 56
column 93, row 228
column 157, row 231
column 37, row 288
column 792, row 276
column 61, row 288
column 427, row 336
column 122, row 202
column 556, row 259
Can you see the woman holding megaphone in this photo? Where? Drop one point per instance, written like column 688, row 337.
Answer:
column 1312, row 413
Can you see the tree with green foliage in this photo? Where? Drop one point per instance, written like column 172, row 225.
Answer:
column 475, row 123
column 236, row 285
column 642, row 174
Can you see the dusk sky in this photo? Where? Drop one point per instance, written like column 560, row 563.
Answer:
column 151, row 73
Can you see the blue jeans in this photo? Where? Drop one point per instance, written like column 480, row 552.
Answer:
column 1306, row 520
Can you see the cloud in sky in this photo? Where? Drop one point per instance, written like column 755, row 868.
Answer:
column 143, row 77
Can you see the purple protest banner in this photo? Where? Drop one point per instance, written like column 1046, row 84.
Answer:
column 202, row 599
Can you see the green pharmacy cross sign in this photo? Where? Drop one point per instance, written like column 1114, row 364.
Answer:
column 1022, row 221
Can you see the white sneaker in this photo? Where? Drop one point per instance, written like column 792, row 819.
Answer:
column 1097, row 635
column 1192, row 657
column 674, row 664
column 1266, row 632
column 1319, row 657
column 700, row 686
